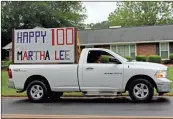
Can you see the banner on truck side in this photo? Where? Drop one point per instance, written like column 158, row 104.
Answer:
column 44, row 45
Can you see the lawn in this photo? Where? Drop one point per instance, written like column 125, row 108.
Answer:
column 9, row 92
column 170, row 76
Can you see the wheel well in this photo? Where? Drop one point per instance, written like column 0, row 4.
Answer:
column 140, row 76
column 38, row 78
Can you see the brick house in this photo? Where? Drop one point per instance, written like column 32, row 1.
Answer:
column 128, row 41
column 131, row 41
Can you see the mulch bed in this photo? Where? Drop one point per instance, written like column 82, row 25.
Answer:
column 168, row 64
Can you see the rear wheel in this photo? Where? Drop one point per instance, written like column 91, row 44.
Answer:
column 37, row 91
column 141, row 90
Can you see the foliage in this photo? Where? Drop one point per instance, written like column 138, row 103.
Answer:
column 100, row 25
column 9, row 63
column 167, row 61
column 48, row 14
column 154, row 58
column 141, row 58
column 171, row 56
column 170, row 61
column 5, row 64
column 105, row 59
column 128, row 58
column 141, row 13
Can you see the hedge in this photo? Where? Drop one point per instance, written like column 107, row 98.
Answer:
column 154, row 58
column 128, row 58
column 9, row 62
column 171, row 56
column 141, row 58
column 105, row 59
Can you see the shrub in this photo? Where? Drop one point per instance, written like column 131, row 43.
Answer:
column 154, row 58
column 105, row 59
column 9, row 62
column 5, row 64
column 166, row 62
column 171, row 56
column 141, row 58
column 128, row 58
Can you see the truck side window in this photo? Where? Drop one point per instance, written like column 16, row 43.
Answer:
column 95, row 56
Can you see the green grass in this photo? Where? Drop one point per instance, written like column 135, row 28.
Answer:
column 12, row 92
column 5, row 90
column 170, row 76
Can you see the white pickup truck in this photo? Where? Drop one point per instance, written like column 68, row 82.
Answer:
column 99, row 72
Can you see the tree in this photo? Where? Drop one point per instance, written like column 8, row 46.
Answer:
column 141, row 13
column 100, row 25
column 27, row 15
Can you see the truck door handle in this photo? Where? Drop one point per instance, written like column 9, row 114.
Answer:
column 89, row 68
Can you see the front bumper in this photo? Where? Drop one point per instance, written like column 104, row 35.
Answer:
column 163, row 85
column 11, row 84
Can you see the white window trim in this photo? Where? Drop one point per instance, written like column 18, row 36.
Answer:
column 124, row 44
column 160, row 49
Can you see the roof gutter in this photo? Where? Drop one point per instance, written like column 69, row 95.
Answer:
column 126, row 42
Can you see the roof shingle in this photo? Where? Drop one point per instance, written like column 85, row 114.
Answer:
column 131, row 34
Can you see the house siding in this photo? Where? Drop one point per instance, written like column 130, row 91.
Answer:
column 146, row 49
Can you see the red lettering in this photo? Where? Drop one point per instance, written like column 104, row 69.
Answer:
column 56, row 57
column 72, row 40
column 53, row 42
column 25, row 55
column 60, row 37
column 42, row 55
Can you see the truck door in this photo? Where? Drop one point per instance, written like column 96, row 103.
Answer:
column 99, row 74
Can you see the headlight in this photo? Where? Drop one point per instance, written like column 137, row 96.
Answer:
column 161, row 74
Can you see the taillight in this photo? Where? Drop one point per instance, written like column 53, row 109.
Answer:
column 9, row 73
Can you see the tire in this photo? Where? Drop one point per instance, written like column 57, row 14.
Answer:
column 37, row 92
column 55, row 95
column 138, row 94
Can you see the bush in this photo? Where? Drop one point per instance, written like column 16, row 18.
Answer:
column 167, row 61
column 154, row 58
column 141, row 58
column 171, row 56
column 128, row 58
column 105, row 59
column 9, row 62
column 5, row 64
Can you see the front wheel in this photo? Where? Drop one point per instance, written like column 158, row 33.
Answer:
column 141, row 90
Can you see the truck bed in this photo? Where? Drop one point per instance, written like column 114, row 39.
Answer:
column 61, row 77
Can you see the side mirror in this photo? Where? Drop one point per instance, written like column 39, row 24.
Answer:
column 113, row 60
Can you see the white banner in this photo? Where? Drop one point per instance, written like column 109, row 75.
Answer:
column 42, row 45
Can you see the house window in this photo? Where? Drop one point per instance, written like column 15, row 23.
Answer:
column 164, row 50
column 125, row 50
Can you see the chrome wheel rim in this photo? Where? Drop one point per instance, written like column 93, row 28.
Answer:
column 140, row 90
column 36, row 91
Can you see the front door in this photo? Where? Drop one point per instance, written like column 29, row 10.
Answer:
column 101, row 75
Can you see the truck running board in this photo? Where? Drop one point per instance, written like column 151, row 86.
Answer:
column 106, row 93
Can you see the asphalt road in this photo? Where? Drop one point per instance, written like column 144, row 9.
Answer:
column 121, row 106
